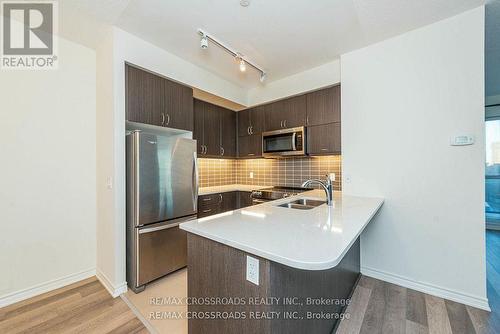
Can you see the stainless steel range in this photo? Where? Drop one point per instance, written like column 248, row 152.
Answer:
column 274, row 193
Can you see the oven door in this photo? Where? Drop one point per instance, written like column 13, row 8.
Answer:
column 283, row 142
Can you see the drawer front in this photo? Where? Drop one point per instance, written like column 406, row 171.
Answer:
column 209, row 205
column 161, row 250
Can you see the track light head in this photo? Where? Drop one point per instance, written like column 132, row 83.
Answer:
column 263, row 77
column 243, row 65
column 204, row 42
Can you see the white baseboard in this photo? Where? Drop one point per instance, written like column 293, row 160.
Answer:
column 36, row 290
column 459, row 297
column 114, row 290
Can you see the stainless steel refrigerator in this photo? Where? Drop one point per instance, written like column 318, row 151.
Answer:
column 162, row 192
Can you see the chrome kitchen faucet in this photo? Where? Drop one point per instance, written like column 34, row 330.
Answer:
column 326, row 185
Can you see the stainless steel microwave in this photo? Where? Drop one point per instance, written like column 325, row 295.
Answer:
column 286, row 142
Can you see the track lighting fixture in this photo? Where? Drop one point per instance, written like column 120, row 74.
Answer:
column 263, row 77
column 242, row 63
column 204, row 42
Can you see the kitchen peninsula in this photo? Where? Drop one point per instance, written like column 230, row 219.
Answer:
column 303, row 264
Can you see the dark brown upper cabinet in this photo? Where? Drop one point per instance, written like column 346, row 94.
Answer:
column 324, row 139
column 214, row 130
column 227, row 132
column 323, row 106
column 177, row 105
column 251, row 121
column 250, row 147
column 287, row 113
column 154, row 100
column 141, row 90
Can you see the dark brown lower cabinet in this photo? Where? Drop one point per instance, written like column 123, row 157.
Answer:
column 324, row 139
column 221, row 202
column 250, row 146
column 229, row 201
column 244, row 199
column 306, row 301
column 209, row 205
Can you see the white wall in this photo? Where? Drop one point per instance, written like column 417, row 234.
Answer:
column 47, row 179
column 315, row 78
column 109, row 240
column 402, row 100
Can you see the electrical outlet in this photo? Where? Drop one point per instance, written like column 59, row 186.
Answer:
column 109, row 182
column 251, row 175
column 253, row 270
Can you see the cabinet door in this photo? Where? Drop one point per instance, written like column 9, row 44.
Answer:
column 257, row 120
column 228, row 132
column 229, row 201
column 139, row 95
column 273, row 115
column 324, row 139
column 284, row 114
column 323, row 106
column 211, row 130
column 244, row 199
column 244, row 122
column 178, row 105
column 294, row 111
column 250, row 146
column 198, row 131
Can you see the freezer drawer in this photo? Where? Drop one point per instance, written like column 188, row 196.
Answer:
column 162, row 248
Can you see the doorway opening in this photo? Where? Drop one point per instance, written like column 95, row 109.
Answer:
column 492, row 177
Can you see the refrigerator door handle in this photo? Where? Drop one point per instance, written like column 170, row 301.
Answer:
column 195, row 182
column 158, row 228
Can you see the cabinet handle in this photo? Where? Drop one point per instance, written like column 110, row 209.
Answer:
column 251, row 154
column 220, row 201
column 324, row 149
column 281, row 124
column 251, row 130
column 284, row 123
column 307, row 120
column 208, row 210
column 162, row 118
column 222, row 150
column 207, row 199
column 248, row 130
column 168, row 119
column 206, row 149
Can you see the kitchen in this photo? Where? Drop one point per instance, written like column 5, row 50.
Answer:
column 320, row 192
column 158, row 156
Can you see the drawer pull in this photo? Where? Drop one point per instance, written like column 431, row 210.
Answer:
column 207, row 199
column 208, row 210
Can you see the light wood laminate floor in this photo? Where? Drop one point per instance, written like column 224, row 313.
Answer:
column 376, row 307
column 381, row 307
column 83, row 307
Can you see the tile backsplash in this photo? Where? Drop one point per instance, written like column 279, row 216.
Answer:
column 268, row 172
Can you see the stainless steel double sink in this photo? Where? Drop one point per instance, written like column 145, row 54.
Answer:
column 302, row 204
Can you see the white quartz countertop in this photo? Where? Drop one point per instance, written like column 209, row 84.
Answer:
column 228, row 188
column 315, row 239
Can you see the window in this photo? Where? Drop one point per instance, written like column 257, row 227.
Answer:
column 493, row 171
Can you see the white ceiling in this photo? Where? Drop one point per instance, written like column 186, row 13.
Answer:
column 284, row 37
column 492, row 48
